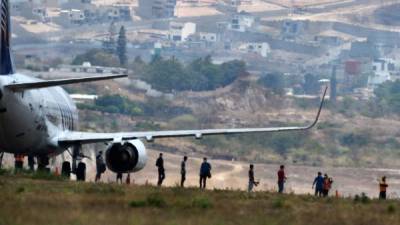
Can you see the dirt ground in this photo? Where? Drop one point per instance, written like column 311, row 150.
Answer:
column 233, row 175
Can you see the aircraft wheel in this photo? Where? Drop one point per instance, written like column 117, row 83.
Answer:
column 81, row 172
column 43, row 162
column 66, row 169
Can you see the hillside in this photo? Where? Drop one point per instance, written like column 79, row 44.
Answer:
column 25, row 199
column 345, row 136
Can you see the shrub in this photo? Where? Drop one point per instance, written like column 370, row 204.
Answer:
column 363, row 198
column 137, row 204
column 202, row 202
column 391, row 208
column 20, row 190
column 44, row 175
column 355, row 140
column 156, row 200
column 4, row 172
column 278, row 203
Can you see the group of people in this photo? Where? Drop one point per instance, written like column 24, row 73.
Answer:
column 280, row 174
column 322, row 184
column 205, row 171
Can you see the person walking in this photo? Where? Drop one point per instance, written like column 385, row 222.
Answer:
column 252, row 181
column 319, row 184
column 100, row 166
column 205, row 172
column 327, row 185
column 161, row 170
column 31, row 163
column 281, row 178
column 19, row 162
column 183, row 170
column 382, row 188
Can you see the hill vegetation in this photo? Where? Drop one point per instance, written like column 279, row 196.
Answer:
column 30, row 201
column 170, row 74
column 333, row 142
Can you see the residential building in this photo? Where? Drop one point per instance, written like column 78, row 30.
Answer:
column 150, row 9
column 261, row 48
column 41, row 14
column 291, row 29
column 381, row 69
column 179, row 32
column 207, row 37
column 77, row 16
column 241, row 21
column 241, row 2
column 119, row 12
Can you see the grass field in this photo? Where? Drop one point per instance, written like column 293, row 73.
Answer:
column 27, row 199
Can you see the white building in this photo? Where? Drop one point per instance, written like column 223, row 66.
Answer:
column 261, row 48
column 83, row 98
column 236, row 3
column 41, row 13
column 76, row 16
column 179, row 32
column 380, row 72
column 207, row 37
column 156, row 8
column 241, row 21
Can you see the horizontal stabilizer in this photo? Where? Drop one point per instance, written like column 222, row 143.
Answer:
column 52, row 83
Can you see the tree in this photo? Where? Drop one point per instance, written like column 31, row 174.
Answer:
column 388, row 94
column 96, row 57
column 109, row 43
column 275, row 82
column 311, row 84
column 121, row 46
column 199, row 75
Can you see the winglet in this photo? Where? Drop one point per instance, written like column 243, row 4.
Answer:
column 319, row 110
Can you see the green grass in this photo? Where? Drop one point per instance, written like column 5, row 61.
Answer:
column 25, row 200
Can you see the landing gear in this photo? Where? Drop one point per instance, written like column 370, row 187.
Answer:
column 43, row 162
column 80, row 169
column 81, row 172
column 66, row 169
column 1, row 158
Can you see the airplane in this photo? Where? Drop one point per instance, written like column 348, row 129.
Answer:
column 38, row 118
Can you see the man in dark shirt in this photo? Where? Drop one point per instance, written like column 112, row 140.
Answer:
column 252, row 181
column 382, row 188
column 161, row 170
column 183, row 170
column 319, row 184
column 100, row 166
column 281, row 178
column 205, row 172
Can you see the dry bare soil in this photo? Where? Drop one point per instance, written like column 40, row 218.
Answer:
column 28, row 199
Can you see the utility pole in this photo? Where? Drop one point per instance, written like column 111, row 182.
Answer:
column 333, row 85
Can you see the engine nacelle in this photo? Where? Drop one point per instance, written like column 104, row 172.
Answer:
column 126, row 156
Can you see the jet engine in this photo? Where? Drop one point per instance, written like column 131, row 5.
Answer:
column 126, row 156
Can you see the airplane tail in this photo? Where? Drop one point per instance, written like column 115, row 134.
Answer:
column 6, row 64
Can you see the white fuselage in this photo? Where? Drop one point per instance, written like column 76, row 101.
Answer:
column 31, row 119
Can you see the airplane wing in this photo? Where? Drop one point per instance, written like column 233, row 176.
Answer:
column 52, row 83
column 72, row 137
